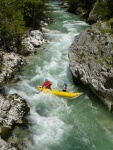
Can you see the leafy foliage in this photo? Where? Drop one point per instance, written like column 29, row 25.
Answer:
column 16, row 15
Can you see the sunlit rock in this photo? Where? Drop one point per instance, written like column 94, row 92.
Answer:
column 91, row 60
column 12, row 63
column 13, row 108
column 33, row 40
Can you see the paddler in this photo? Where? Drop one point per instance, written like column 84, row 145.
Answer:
column 64, row 87
column 47, row 84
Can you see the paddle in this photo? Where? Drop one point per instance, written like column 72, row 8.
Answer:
column 45, row 88
column 37, row 92
column 40, row 90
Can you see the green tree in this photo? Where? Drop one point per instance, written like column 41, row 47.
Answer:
column 33, row 12
column 16, row 15
column 11, row 20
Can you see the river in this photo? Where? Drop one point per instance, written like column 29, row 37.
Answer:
column 57, row 123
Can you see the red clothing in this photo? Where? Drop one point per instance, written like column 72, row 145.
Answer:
column 47, row 84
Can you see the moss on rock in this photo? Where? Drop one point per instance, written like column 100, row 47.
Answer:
column 5, row 132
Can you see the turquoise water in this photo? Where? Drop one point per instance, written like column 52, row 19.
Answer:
column 57, row 123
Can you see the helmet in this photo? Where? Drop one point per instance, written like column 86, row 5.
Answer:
column 65, row 83
column 46, row 79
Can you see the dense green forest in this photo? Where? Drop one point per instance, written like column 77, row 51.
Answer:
column 18, row 15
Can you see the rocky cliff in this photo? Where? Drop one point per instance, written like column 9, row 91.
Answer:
column 91, row 60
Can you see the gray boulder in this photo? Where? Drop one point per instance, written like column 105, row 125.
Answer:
column 13, row 109
column 31, row 41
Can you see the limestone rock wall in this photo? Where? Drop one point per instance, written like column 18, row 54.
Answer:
column 91, row 60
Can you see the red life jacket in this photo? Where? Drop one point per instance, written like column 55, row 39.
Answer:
column 47, row 84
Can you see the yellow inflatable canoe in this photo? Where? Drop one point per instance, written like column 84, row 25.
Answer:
column 59, row 93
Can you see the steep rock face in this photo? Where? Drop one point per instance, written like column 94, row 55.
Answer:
column 91, row 60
